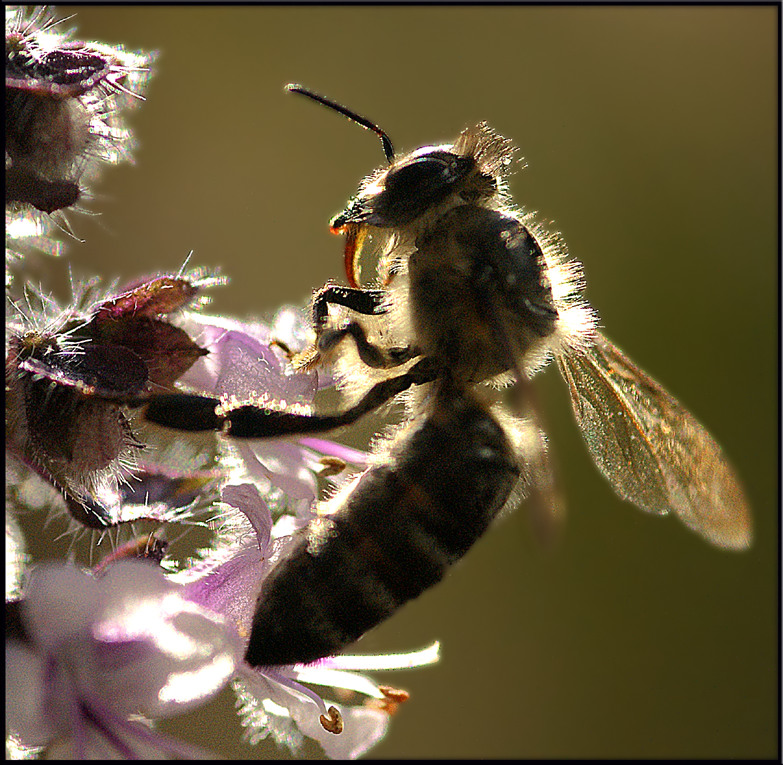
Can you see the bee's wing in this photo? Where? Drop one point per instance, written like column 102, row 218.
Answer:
column 652, row 450
column 538, row 485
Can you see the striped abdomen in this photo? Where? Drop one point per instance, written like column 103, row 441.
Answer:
column 403, row 524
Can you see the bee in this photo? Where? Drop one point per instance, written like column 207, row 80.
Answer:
column 471, row 293
column 478, row 285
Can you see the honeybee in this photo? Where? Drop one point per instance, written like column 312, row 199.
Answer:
column 476, row 284
column 471, row 293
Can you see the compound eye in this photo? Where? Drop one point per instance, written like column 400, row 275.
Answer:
column 421, row 174
column 412, row 188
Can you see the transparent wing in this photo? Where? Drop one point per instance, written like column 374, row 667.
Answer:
column 652, row 450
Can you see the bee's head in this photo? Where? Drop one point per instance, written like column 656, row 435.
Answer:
column 428, row 179
column 407, row 189
column 411, row 186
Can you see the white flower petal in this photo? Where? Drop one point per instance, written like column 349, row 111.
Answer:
column 362, row 729
column 61, row 602
column 135, row 644
column 369, row 662
column 25, row 716
column 337, row 678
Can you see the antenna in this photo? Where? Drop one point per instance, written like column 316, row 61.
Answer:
column 388, row 149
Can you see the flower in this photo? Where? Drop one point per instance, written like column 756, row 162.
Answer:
column 66, row 382
column 95, row 658
column 102, row 657
column 248, row 362
column 274, row 700
column 64, row 104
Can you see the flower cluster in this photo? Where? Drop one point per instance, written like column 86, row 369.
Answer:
column 98, row 653
column 64, row 120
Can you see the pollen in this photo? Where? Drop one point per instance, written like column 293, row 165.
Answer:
column 333, row 723
column 392, row 698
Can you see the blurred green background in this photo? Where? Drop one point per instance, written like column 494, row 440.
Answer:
column 651, row 138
